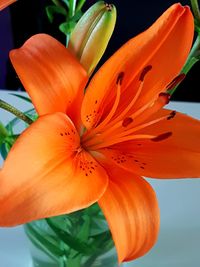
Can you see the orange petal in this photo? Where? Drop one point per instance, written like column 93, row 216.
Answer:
column 44, row 174
column 53, row 78
column 164, row 46
column 130, row 207
column 5, row 3
column 177, row 156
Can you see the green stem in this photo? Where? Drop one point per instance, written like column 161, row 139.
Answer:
column 72, row 11
column 63, row 261
column 74, row 261
column 191, row 60
column 67, row 39
column 80, row 5
column 71, row 260
column 195, row 51
column 195, row 9
column 41, row 242
column 72, row 8
column 4, row 105
column 194, row 55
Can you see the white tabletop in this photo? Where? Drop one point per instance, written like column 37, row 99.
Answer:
column 179, row 240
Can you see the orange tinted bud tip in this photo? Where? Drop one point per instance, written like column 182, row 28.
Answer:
column 92, row 33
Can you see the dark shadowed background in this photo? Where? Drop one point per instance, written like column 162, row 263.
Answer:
column 28, row 17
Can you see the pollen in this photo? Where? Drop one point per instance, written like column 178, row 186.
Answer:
column 164, row 97
column 171, row 115
column 162, row 137
column 120, row 78
column 127, row 121
column 144, row 72
column 175, row 81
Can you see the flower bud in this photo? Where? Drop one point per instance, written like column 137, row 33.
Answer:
column 92, row 33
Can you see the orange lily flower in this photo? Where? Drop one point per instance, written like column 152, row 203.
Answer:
column 5, row 3
column 97, row 146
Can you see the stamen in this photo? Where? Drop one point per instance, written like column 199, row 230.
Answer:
column 144, row 72
column 120, row 78
column 175, row 81
column 162, row 137
column 127, row 121
column 126, row 110
column 164, row 97
column 135, row 98
column 114, row 107
column 120, row 140
column 171, row 115
column 115, row 126
column 139, row 127
column 160, row 102
column 121, row 136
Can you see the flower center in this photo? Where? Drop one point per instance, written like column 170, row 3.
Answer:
column 123, row 126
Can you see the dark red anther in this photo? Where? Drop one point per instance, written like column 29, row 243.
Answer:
column 161, row 137
column 144, row 72
column 127, row 121
column 165, row 97
column 171, row 115
column 120, row 78
column 175, row 81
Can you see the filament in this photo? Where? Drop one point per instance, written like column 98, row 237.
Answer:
column 120, row 140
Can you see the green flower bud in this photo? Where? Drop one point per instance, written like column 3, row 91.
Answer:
column 92, row 33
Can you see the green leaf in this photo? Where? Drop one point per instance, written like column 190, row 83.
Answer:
column 102, row 241
column 72, row 241
column 77, row 16
column 3, row 133
column 52, row 10
column 43, row 242
column 72, row 7
column 85, row 229
column 80, row 5
column 66, row 2
column 22, row 97
column 4, row 150
column 93, row 210
column 67, row 27
column 56, row 2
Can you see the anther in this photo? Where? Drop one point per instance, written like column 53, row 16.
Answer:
column 164, row 97
column 171, row 115
column 144, row 72
column 175, row 81
column 120, row 78
column 127, row 121
column 161, row 137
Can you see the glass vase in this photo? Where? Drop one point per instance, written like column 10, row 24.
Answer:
column 80, row 239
